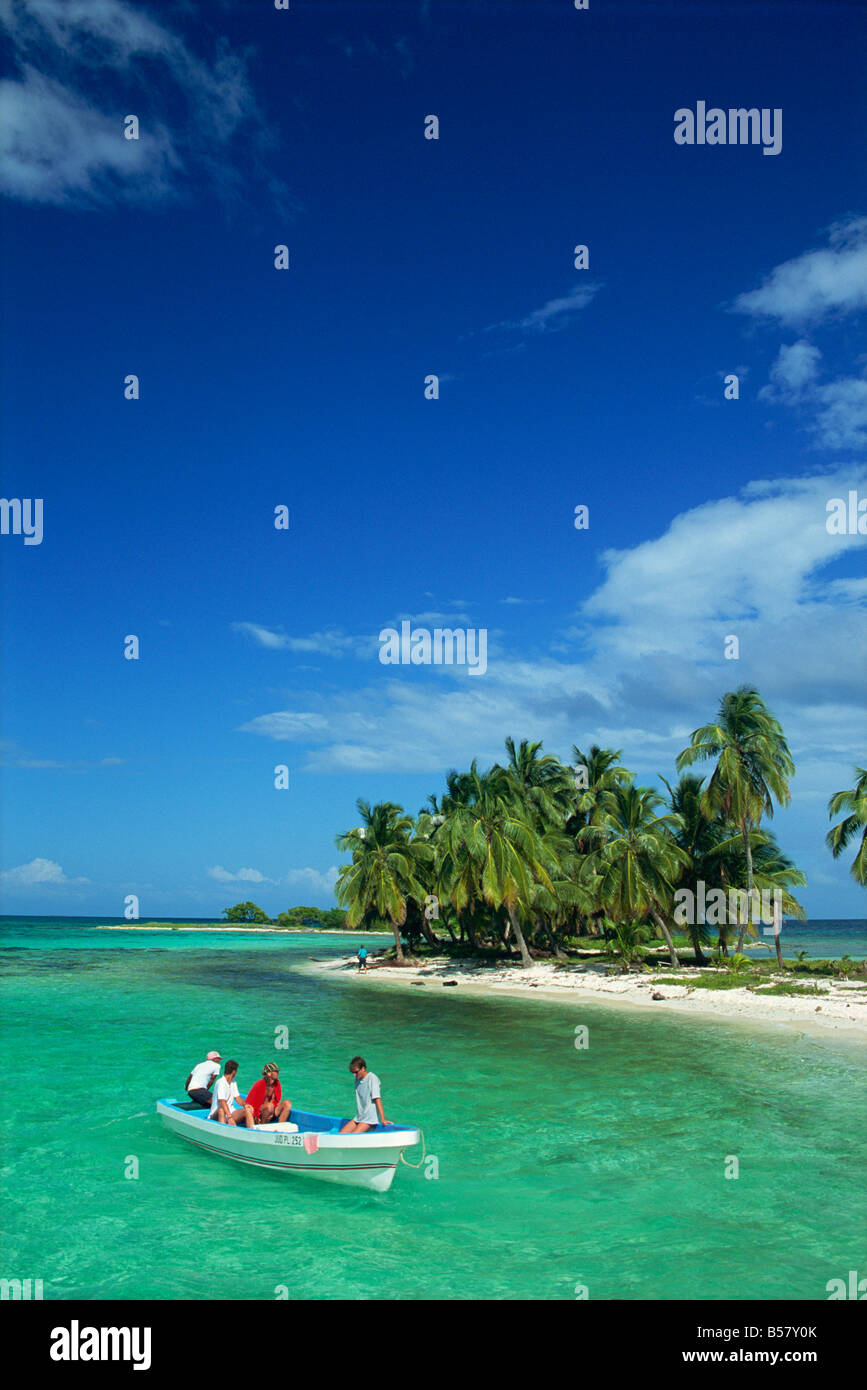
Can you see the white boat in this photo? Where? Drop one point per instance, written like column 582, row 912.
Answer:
column 309, row 1143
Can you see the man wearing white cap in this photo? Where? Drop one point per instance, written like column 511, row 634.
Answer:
column 201, row 1079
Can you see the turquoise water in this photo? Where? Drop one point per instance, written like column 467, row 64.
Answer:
column 556, row 1167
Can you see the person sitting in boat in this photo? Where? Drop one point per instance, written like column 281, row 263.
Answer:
column 368, row 1100
column 264, row 1103
column 226, row 1106
column 201, row 1079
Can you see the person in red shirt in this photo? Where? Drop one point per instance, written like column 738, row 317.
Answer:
column 264, row 1102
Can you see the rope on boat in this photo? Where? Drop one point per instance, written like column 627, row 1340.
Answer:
column 423, row 1152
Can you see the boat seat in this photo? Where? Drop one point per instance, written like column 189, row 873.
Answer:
column 282, row 1127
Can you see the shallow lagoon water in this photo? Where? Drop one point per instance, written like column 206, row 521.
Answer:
column 557, row 1167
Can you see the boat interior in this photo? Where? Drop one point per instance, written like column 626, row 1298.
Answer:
column 304, row 1121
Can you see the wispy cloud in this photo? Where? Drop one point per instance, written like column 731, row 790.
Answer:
column 555, row 314
column 313, row 880
column 12, row 756
column 329, row 642
column 60, row 146
column 399, row 52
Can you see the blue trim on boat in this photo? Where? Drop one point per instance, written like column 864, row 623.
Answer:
column 308, row 1121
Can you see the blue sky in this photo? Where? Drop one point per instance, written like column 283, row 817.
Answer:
column 305, row 387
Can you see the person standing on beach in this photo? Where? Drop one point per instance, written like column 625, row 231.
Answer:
column 362, row 957
column 368, row 1100
column 264, row 1101
column 201, row 1079
column 226, row 1107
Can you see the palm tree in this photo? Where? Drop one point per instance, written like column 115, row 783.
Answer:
column 753, row 766
column 637, row 857
column 603, row 773
column 543, row 782
column 491, row 844
column 387, row 867
column 624, row 941
column 838, row 837
column 701, row 840
column 773, row 872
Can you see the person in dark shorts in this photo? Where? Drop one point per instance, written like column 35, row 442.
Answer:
column 201, row 1079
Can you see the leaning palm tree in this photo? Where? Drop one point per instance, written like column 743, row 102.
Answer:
column 637, row 857
column 387, row 868
column 753, row 766
column 838, row 837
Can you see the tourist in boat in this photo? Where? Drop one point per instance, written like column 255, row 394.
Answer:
column 226, row 1106
column 368, row 1100
column 264, row 1102
column 201, row 1079
column 362, row 957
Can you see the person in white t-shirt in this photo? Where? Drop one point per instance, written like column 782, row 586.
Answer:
column 227, row 1108
column 201, row 1079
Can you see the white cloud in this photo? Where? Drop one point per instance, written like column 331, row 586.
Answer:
column 38, row 871
column 312, row 880
column 288, row 725
column 242, row 876
column 818, row 283
column 795, row 369
column 644, row 664
column 839, row 407
column 841, row 421
column 60, row 146
column 812, row 287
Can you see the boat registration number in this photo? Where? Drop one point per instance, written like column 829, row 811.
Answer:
column 295, row 1141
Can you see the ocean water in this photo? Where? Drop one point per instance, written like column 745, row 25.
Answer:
column 557, row 1168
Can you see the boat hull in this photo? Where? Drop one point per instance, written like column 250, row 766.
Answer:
column 364, row 1160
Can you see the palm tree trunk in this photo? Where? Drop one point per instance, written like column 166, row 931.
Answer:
column 396, row 929
column 777, row 933
column 666, row 934
column 519, row 937
column 427, row 932
column 749, row 853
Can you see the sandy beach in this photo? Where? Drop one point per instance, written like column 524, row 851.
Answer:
column 840, row 1007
